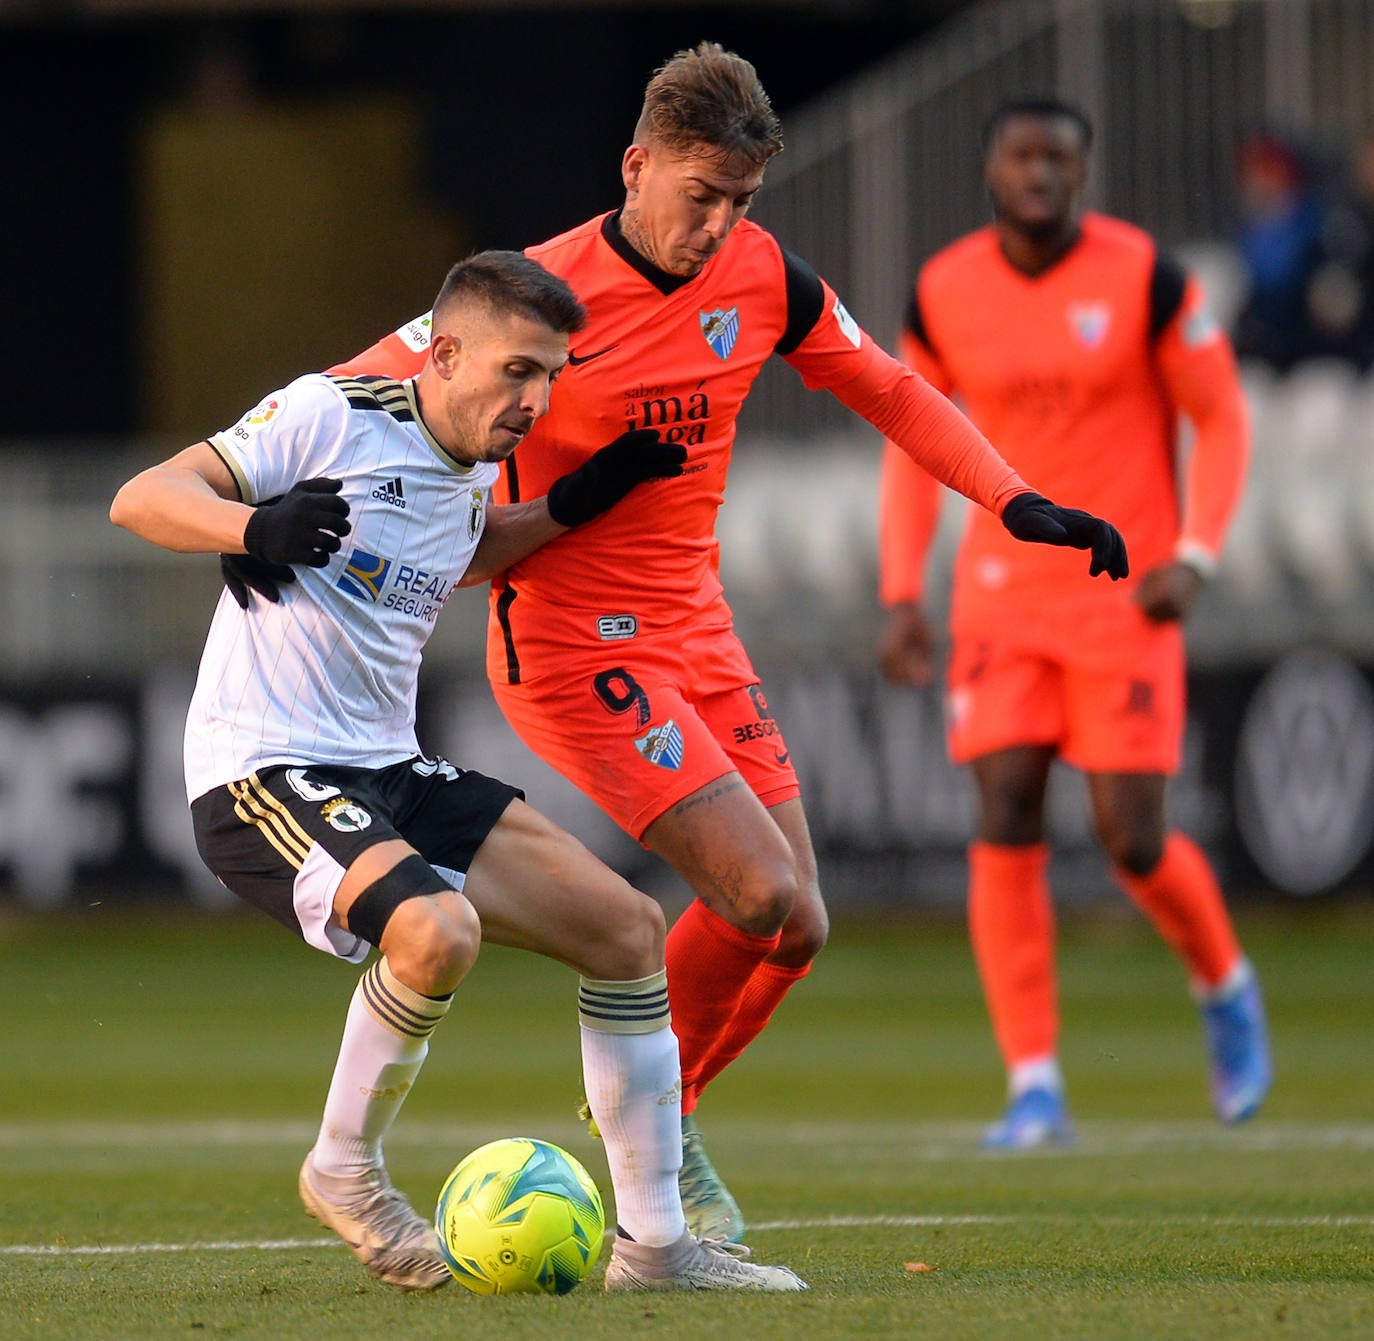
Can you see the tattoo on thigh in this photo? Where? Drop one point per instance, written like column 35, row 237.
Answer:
column 712, row 792
column 729, row 882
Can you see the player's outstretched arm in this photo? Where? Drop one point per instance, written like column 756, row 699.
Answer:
column 514, row 530
column 606, row 476
column 1031, row 517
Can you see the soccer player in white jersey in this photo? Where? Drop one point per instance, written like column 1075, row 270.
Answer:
column 311, row 798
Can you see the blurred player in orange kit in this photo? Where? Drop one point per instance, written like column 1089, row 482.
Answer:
column 612, row 652
column 1074, row 343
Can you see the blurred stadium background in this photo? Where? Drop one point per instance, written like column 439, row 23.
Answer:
column 208, row 198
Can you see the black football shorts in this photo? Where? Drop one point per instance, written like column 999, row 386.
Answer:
column 283, row 837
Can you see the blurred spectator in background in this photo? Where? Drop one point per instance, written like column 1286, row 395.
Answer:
column 1280, row 241
column 1308, row 250
column 1341, row 292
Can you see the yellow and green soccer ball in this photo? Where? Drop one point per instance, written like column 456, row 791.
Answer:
column 520, row 1216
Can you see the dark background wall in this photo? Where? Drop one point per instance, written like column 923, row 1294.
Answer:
column 163, row 197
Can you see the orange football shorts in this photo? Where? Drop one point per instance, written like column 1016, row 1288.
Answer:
column 1122, row 718
column 641, row 725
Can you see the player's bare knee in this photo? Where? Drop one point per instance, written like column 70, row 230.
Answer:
column 431, row 943
column 759, row 902
column 1135, row 849
column 428, row 931
column 1013, row 819
column 804, row 935
column 632, row 944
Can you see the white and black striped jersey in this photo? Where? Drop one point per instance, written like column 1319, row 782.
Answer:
column 329, row 674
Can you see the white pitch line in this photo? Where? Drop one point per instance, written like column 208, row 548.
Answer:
column 933, row 1140
column 126, row 1249
column 826, row 1222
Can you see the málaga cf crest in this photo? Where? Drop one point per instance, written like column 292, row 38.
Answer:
column 663, row 745
column 721, row 329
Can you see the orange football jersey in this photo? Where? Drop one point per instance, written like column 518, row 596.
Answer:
column 1078, row 375
column 679, row 356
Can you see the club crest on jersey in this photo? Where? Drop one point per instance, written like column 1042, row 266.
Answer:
column 477, row 511
column 1090, row 322
column 345, row 815
column 364, row 575
column 662, row 745
column 1199, row 328
column 721, row 329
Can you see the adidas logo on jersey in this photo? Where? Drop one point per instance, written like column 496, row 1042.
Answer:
column 391, row 492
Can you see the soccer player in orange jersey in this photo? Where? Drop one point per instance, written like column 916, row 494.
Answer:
column 1074, row 343
column 612, row 653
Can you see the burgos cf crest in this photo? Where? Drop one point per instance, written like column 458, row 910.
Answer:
column 477, row 513
column 662, row 745
column 364, row 575
column 721, row 329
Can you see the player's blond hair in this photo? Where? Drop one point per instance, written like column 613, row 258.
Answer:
column 710, row 97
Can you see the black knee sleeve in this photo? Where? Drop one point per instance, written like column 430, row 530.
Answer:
column 408, row 879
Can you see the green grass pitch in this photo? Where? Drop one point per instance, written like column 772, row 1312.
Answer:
column 163, row 1074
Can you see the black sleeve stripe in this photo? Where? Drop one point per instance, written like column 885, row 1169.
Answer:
column 916, row 322
column 1166, row 292
column 503, row 605
column 805, row 301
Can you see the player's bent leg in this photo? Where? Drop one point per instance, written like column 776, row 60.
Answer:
column 1170, row 879
column 633, row 1085
column 712, row 1211
column 536, row 887
column 429, row 936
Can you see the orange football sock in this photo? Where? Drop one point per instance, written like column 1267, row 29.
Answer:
column 763, row 994
column 1011, row 925
column 1183, row 900
column 710, row 963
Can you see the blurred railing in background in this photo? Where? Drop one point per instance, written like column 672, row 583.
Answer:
column 881, row 172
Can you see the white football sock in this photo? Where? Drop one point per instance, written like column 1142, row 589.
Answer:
column 633, row 1076
column 1036, row 1073
column 385, row 1041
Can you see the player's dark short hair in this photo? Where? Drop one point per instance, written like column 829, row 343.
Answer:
column 710, row 96
column 1043, row 107
column 509, row 281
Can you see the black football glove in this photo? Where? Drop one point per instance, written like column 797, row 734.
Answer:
column 305, row 525
column 242, row 573
column 606, row 476
column 1030, row 517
